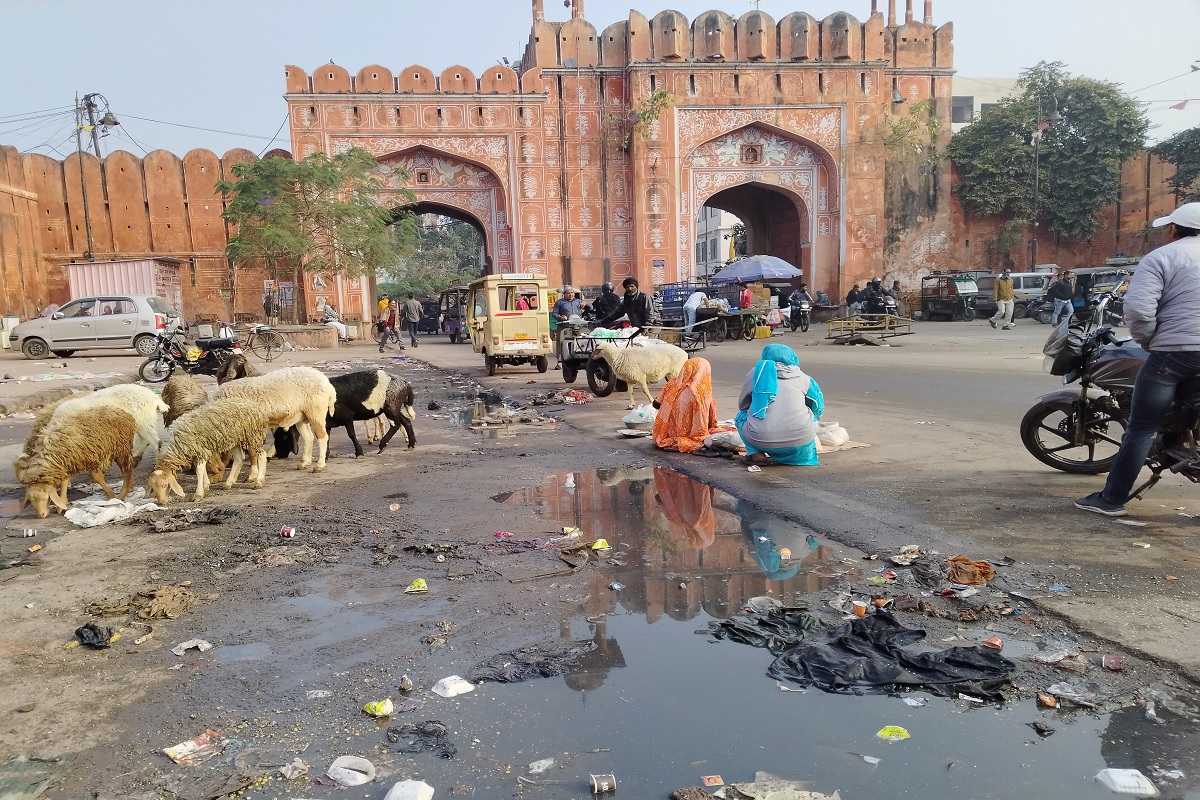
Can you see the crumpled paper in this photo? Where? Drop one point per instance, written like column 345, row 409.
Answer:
column 969, row 573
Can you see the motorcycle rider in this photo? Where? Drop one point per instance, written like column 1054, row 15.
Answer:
column 1162, row 310
column 799, row 295
column 635, row 305
column 873, row 297
column 607, row 302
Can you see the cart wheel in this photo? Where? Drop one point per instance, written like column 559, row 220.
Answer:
column 718, row 332
column 600, row 377
column 968, row 314
column 569, row 374
column 542, row 363
column 491, row 365
column 748, row 331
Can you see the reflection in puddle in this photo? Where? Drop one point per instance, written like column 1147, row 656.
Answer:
column 10, row 507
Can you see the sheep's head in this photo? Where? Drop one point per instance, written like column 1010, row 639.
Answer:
column 162, row 482
column 602, row 351
column 40, row 495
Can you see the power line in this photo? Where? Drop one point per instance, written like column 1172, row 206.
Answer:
column 1160, row 83
column 31, row 113
column 277, row 132
column 122, row 132
column 197, row 127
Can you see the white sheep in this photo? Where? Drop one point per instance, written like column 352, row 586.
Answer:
column 226, row 425
column 181, row 394
column 641, row 365
column 138, row 401
column 86, row 440
column 300, row 396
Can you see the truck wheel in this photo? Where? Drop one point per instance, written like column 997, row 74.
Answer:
column 1020, row 311
column 542, row 363
column 34, row 348
column 491, row 365
column 145, row 345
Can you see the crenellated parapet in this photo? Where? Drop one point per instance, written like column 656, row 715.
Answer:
column 377, row 79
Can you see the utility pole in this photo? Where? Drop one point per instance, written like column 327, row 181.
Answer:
column 88, row 254
column 88, row 106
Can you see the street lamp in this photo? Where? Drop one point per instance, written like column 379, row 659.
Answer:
column 1042, row 124
column 88, row 106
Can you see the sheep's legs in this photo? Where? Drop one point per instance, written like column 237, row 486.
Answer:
column 358, row 451
column 306, row 443
column 260, row 475
column 235, row 468
column 126, row 480
column 201, row 480
column 98, row 477
column 403, row 422
column 318, row 428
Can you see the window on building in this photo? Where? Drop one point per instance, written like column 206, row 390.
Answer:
column 986, row 107
column 712, row 250
column 699, row 252
column 714, row 212
column 962, row 108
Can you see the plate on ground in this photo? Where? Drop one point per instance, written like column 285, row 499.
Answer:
column 632, row 433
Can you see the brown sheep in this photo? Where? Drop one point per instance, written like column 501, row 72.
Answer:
column 235, row 367
column 88, row 440
column 181, row 394
column 226, row 425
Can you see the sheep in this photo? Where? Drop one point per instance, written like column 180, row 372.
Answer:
column 364, row 395
column 289, row 396
column 141, row 403
column 226, row 425
column 36, row 432
column 181, row 394
column 85, row 440
column 640, row 365
column 236, row 366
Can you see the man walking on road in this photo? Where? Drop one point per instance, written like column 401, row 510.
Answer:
column 1162, row 310
column 1061, row 292
column 412, row 316
column 1005, row 299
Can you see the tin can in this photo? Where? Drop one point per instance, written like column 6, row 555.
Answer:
column 287, row 532
column 602, row 784
column 860, row 608
column 785, row 554
column 28, row 533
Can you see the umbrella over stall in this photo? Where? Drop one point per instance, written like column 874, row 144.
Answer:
column 757, row 268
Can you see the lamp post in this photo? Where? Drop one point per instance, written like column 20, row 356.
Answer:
column 1042, row 124
column 87, row 106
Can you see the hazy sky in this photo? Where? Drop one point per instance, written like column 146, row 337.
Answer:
column 219, row 64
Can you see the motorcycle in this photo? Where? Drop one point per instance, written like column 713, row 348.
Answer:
column 1079, row 430
column 204, row 358
column 1041, row 309
column 800, row 316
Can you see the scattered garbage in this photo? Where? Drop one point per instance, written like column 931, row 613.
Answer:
column 602, row 784
column 1042, row 729
column 431, row 735
column 410, row 790
column 993, row 643
column 1128, row 782
column 542, row 660
column 26, row 777
column 418, row 586
column 966, row 572
column 351, row 771
column 872, row 760
column 1065, row 691
column 892, row 733
column 297, row 768
column 915, row 702
column 1047, row 700
column 198, row 644
column 1167, row 774
column 1152, row 713
column 1112, row 663
column 600, row 544
column 712, row 780
column 1058, row 588
column 89, row 513
column 287, row 532
column 771, row 625
column 859, row 608
column 754, row 468
column 453, row 686
column 160, row 602
column 616, row 586
column 1135, row 523
column 197, row 750
column 406, row 684
column 538, row 767
column 182, row 519
column 380, row 708
column 765, row 785
column 95, row 636
column 1143, row 545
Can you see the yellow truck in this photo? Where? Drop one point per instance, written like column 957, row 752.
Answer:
column 508, row 317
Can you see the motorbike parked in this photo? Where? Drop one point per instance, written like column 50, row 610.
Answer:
column 203, row 358
column 1079, row 430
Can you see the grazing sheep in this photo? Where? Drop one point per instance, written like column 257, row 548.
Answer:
column 236, row 366
column 289, row 396
column 375, row 428
column 226, row 425
column 366, row 394
column 86, row 440
column 181, row 394
column 641, row 365
column 36, row 431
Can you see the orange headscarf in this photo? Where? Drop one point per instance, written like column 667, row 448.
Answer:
column 686, row 411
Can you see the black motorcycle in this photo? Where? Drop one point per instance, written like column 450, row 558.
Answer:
column 800, row 316
column 203, row 358
column 1080, row 430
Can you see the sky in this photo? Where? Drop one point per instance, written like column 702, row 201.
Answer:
column 164, row 65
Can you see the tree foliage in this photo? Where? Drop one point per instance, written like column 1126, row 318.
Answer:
column 1080, row 154
column 1183, row 152
column 321, row 213
column 448, row 252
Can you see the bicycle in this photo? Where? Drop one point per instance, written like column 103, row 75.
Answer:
column 264, row 342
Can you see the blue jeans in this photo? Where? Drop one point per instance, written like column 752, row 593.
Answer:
column 1153, row 393
column 411, row 327
column 1061, row 308
column 689, row 319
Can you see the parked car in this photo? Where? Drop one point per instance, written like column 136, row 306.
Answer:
column 105, row 321
column 1026, row 286
column 429, row 316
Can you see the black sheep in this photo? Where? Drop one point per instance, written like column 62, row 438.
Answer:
column 361, row 396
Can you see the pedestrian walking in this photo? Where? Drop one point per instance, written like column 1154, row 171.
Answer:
column 412, row 317
column 388, row 320
column 1005, row 299
column 1061, row 292
column 1162, row 310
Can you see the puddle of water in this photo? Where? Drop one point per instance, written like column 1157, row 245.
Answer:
column 10, row 507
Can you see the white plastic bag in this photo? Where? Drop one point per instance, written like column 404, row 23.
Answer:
column 774, row 317
column 645, row 414
column 831, row 434
column 351, row 771
column 725, row 440
column 453, row 686
column 410, row 790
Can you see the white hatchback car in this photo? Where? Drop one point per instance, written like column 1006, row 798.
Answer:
column 105, row 321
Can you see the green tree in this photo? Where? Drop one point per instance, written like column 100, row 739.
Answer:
column 1088, row 128
column 448, row 252
column 320, row 213
column 1183, row 152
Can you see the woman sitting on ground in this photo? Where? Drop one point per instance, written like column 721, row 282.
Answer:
column 686, row 411
column 779, row 408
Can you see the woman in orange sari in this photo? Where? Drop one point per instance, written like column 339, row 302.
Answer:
column 686, row 411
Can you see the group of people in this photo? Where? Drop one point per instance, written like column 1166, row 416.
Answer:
column 778, row 409
column 391, row 314
column 871, row 299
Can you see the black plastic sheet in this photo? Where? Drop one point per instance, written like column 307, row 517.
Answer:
column 873, row 655
column 431, row 735
column 778, row 629
column 544, row 660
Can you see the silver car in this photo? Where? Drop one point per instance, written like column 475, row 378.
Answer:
column 105, row 321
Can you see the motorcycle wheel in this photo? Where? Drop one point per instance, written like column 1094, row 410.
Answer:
column 1048, row 434
column 803, row 325
column 1045, row 317
column 969, row 314
column 156, row 369
column 600, row 378
column 569, row 373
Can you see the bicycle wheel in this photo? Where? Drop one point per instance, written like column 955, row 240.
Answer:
column 266, row 345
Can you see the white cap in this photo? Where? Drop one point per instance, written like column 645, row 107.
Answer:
column 1187, row 215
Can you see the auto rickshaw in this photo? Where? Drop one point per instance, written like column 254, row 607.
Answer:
column 950, row 295
column 508, row 318
column 452, row 311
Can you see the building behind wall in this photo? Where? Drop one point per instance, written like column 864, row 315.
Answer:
column 714, row 241
column 975, row 96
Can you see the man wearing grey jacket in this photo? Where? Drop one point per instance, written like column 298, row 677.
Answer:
column 1162, row 310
